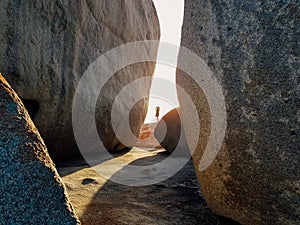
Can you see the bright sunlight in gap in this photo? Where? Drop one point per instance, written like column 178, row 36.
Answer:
column 170, row 14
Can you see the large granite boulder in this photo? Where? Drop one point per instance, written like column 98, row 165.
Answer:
column 168, row 132
column 253, row 49
column 31, row 190
column 46, row 46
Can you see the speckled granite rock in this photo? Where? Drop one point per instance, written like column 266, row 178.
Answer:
column 168, row 131
column 253, row 49
column 31, row 189
column 46, row 46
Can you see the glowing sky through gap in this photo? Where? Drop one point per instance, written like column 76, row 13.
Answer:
column 170, row 15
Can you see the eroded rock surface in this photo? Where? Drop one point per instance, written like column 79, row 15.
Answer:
column 253, row 49
column 31, row 190
column 46, row 46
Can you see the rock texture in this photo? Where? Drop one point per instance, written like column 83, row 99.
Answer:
column 168, row 131
column 253, row 49
column 46, row 46
column 31, row 189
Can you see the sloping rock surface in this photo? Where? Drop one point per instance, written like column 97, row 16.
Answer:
column 31, row 190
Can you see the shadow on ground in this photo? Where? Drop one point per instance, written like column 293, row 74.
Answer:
column 177, row 200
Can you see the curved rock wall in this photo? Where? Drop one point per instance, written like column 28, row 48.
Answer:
column 168, row 132
column 253, row 49
column 45, row 47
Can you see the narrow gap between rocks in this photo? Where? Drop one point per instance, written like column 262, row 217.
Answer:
column 97, row 199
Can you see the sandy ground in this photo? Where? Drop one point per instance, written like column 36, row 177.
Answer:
column 97, row 200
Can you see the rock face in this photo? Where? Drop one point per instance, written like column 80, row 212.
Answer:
column 31, row 189
column 46, row 46
column 168, row 131
column 253, row 49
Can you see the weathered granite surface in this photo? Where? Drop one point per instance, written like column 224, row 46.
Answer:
column 46, row 46
column 253, row 49
column 31, row 190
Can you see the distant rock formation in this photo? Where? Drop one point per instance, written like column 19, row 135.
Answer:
column 168, row 131
column 46, row 46
column 146, row 137
column 31, row 189
column 253, row 49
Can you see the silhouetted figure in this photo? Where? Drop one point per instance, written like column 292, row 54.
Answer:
column 157, row 108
